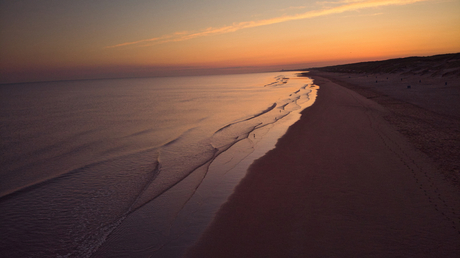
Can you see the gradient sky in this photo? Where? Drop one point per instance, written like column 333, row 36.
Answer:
column 68, row 39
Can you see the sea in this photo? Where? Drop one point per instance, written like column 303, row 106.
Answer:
column 132, row 167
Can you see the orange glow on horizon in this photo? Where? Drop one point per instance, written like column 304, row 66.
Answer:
column 316, row 33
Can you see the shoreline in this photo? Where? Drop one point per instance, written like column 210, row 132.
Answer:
column 341, row 182
column 180, row 218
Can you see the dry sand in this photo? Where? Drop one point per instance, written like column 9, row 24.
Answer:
column 427, row 113
column 342, row 182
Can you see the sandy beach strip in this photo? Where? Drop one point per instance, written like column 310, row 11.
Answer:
column 424, row 108
column 342, row 182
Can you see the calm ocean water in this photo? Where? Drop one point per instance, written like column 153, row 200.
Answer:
column 78, row 157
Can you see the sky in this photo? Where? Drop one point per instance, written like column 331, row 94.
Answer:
column 87, row 39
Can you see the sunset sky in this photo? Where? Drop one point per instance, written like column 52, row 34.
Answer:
column 63, row 39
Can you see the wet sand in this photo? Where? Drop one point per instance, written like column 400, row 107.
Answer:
column 342, row 182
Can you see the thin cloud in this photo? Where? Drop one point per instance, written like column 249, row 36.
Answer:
column 346, row 6
column 164, row 38
column 362, row 15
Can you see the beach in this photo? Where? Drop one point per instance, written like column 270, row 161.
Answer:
column 345, row 164
column 363, row 173
column 216, row 129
